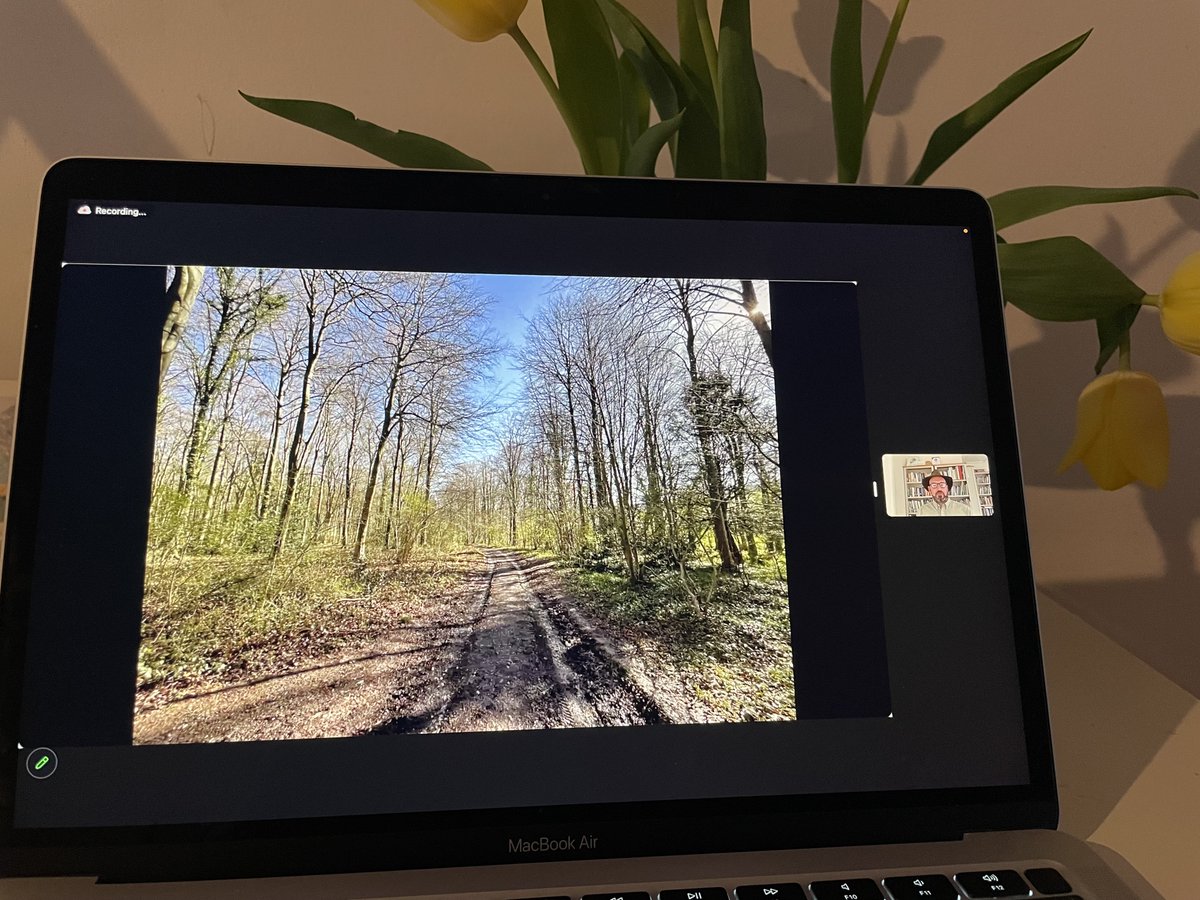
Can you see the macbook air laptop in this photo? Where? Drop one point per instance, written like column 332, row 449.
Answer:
column 410, row 534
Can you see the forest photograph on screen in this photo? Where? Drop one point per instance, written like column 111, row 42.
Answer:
column 405, row 502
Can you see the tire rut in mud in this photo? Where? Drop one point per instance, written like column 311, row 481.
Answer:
column 528, row 662
column 600, row 679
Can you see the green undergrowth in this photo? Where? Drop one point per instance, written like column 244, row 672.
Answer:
column 732, row 637
column 207, row 617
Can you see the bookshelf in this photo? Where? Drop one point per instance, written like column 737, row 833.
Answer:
column 972, row 481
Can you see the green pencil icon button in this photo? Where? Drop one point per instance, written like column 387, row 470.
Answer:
column 41, row 763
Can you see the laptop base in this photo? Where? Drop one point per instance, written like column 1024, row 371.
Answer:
column 1093, row 872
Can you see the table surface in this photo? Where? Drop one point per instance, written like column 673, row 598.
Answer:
column 1127, row 751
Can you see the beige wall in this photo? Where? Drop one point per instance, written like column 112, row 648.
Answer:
column 159, row 78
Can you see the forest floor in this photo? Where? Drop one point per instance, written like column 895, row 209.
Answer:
column 513, row 643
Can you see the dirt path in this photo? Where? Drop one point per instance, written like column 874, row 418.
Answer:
column 530, row 663
column 495, row 654
column 335, row 695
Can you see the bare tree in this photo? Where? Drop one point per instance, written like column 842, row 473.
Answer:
column 325, row 297
column 236, row 306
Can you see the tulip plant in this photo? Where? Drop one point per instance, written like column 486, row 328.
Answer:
column 610, row 70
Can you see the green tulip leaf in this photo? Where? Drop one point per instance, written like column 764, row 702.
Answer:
column 644, row 154
column 739, row 98
column 635, row 101
column 400, row 148
column 881, row 66
column 1111, row 329
column 1063, row 279
column 659, row 72
column 585, row 63
column 697, row 49
column 846, row 89
column 698, row 144
column 948, row 137
column 696, row 148
column 1022, row 204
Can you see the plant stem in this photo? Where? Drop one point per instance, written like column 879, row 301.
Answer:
column 885, row 57
column 1152, row 300
column 547, row 79
column 1123, row 360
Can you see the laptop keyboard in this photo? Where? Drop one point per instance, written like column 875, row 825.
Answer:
column 1035, row 882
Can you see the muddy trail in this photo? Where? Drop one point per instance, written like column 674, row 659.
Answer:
column 530, row 662
column 505, row 650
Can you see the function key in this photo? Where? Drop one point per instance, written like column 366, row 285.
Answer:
column 997, row 883
column 709, row 893
column 770, row 892
column 850, row 889
column 921, row 887
column 618, row 895
column 1048, row 881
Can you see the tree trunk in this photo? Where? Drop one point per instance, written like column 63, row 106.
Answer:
column 731, row 558
column 579, row 485
column 181, row 296
column 604, row 500
column 739, row 472
column 385, row 432
column 654, row 492
column 293, row 458
column 749, row 303
column 394, row 482
column 268, row 474
column 622, row 513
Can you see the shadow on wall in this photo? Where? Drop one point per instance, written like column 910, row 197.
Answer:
column 55, row 54
column 799, row 124
column 1157, row 619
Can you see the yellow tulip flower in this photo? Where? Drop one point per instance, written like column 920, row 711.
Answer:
column 1180, row 305
column 1121, row 433
column 476, row 20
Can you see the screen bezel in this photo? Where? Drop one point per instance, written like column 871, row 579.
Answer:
column 480, row 837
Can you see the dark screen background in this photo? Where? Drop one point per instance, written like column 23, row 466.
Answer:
column 877, row 628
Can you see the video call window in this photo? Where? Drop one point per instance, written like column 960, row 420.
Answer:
column 498, row 502
column 936, row 485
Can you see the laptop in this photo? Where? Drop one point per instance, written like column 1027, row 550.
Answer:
column 412, row 534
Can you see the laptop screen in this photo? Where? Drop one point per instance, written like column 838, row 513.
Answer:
column 453, row 500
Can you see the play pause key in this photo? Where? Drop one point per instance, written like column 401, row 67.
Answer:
column 708, row 893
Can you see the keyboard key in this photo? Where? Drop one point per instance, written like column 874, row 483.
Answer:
column 620, row 895
column 1048, row 881
column 850, row 889
column 770, row 892
column 921, row 887
column 997, row 883
column 709, row 893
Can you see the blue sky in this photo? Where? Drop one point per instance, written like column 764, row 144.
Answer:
column 516, row 298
